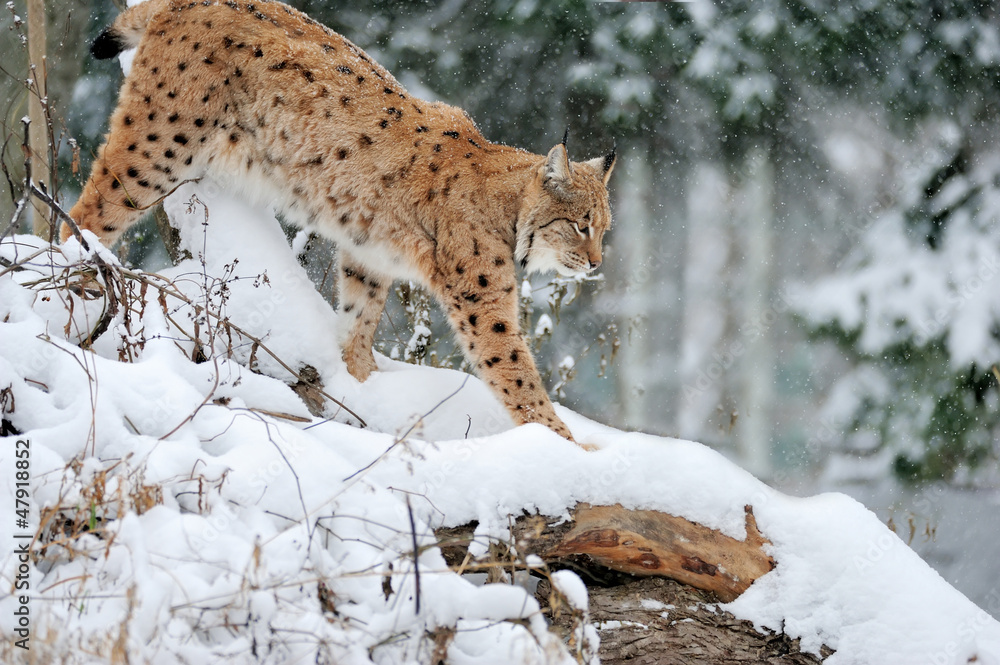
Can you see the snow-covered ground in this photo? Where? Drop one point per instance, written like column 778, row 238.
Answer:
column 952, row 529
column 196, row 512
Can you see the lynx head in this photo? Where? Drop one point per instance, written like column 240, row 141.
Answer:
column 565, row 214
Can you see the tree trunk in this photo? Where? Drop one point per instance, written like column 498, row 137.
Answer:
column 707, row 354
column 38, row 131
column 756, row 371
column 634, row 205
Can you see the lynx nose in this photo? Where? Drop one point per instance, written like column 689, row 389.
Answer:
column 594, row 264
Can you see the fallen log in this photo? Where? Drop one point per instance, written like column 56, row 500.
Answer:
column 637, row 543
column 648, row 542
column 656, row 621
column 628, row 559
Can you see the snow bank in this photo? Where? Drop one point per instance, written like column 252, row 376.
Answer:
column 206, row 516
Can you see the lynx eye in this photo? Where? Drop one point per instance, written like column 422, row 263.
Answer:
column 582, row 230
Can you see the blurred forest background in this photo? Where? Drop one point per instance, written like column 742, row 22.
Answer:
column 803, row 267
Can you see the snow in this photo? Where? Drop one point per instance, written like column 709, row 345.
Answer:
column 615, row 625
column 641, row 26
column 526, row 290
column 544, row 325
column 572, row 588
column 899, row 290
column 653, row 605
column 226, row 543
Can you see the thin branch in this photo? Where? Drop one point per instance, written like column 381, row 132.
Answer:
column 190, row 416
column 107, row 272
column 64, row 216
column 113, row 274
column 416, row 555
column 251, row 413
column 174, row 293
column 6, row 171
column 25, row 193
column 17, row 266
column 91, row 386
column 310, row 529
column 405, row 434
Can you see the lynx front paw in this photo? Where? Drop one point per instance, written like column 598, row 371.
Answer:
column 560, row 428
column 360, row 364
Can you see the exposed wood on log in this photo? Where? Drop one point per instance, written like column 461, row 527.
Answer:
column 648, row 542
column 652, row 620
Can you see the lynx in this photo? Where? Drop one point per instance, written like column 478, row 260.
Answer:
column 305, row 121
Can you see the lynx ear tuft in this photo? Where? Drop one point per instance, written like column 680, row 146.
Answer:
column 557, row 167
column 565, row 138
column 604, row 165
column 609, row 160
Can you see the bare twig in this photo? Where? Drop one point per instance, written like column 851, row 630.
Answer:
column 6, row 171
column 280, row 415
column 298, row 483
column 109, row 273
column 405, row 434
column 252, row 413
column 26, row 192
column 190, row 416
column 64, row 216
column 16, row 266
column 113, row 278
column 174, row 293
column 91, row 386
column 416, row 555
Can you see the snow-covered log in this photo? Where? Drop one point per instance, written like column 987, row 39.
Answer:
column 640, row 543
column 660, row 605
column 652, row 542
column 655, row 621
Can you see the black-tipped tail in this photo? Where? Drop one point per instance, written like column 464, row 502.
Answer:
column 107, row 45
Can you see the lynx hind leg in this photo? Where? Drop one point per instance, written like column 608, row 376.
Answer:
column 362, row 299
column 145, row 158
column 130, row 174
column 482, row 310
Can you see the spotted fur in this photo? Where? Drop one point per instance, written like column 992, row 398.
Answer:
column 287, row 111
